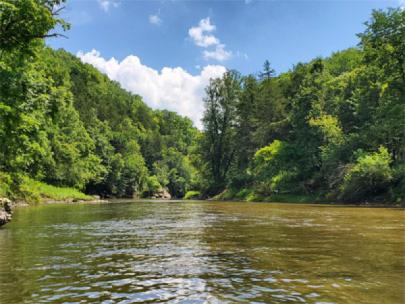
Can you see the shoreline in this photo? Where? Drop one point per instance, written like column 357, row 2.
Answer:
column 326, row 203
column 7, row 206
column 179, row 200
column 6, row 209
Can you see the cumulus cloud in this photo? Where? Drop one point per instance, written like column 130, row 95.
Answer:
column 107, row 4
column 202, row 36
column 171, row 88
column 219, row 53
column 155, row 20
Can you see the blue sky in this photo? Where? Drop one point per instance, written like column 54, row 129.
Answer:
column 198, row 39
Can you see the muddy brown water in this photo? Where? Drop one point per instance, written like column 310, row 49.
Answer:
column 203, row 252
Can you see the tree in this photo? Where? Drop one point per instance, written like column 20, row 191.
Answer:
column 218, row 147
column 268, row 72
column 245, row 121
column 25, row 22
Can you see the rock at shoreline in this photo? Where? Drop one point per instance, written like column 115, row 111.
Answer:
column 161, row 194
column 5, row 211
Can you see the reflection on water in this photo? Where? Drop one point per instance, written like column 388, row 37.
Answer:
column 203, row 252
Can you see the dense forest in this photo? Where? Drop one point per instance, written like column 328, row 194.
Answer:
column 330, row 129
column 65, row 124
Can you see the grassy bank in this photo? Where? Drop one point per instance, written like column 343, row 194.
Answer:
column 39, row 190
column 250, row 196
column 32, row 191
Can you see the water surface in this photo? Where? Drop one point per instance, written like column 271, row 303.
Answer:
column 203, row 252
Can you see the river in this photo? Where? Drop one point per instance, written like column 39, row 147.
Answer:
column 203, row 252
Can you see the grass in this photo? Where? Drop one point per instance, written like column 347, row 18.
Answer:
column 34, row 191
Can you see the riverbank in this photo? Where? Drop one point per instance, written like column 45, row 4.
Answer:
column 246, row 196
column 31, row 192
column 7, row 206
column 47, row 194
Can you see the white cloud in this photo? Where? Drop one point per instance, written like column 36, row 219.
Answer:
column 107, row 4
column 203, row 37
column 402, row 4
column 219, row 53
column 172, row 88
column 200, row 36
column 155, row 19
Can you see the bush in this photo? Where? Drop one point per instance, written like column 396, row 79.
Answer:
column 369, row 177
column 255, row 197
column 274, row 168
column 243, row 193
column 32, row 191
column 5, row 183
column 192, row 195
column 282, row 181
column 152, row 184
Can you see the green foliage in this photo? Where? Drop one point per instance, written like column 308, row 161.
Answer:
column 344, row 61
column 218, row 144
column 274, row 168
column 399, row 184
column 5, row 184
column 34, row 191
column 294, row 134
column 243, row 193
column 152, row 184
column 368, row 177
column 192, row 195
column 175, row 172
column 128, row 173
column 64, row 123
column 24, row 23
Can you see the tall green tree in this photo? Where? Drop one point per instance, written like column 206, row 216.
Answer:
column 218, row 146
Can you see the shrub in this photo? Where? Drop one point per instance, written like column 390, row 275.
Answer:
column 243, row 193
column 192, row 195
column 274, row 168
column 282, row 181
column 152, row 184
column 369, row 177
column 5, row 183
